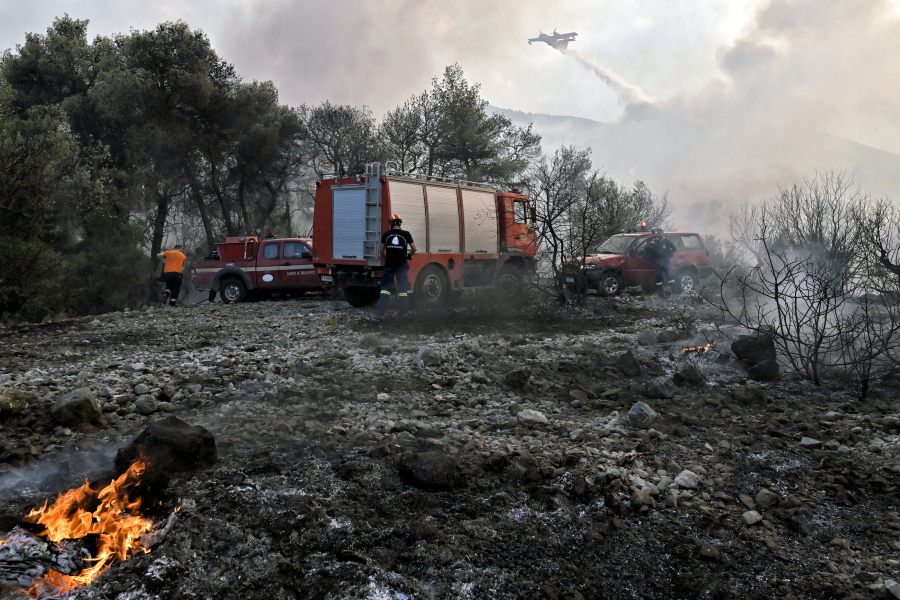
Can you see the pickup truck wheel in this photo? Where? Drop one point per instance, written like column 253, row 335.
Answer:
column 359, row 296
column 610, row 284
column 687, row 281
column 432, row 288
column 233, row 291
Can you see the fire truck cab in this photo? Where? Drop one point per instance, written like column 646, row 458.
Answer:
column 467, row 234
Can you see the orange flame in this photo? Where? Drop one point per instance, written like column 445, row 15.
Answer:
column 699, row 349
column 114, row 521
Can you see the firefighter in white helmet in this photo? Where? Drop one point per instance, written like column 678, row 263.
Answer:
column 397, row 247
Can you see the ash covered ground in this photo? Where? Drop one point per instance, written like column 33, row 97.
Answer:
column 479, row 452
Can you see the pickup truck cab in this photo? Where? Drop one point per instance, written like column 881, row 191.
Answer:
column 619, row 263
column 246, row 265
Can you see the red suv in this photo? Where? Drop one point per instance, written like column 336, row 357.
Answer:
column 618, row 263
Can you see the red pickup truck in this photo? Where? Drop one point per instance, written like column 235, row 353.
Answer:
column 619, row 262
column 247, row 265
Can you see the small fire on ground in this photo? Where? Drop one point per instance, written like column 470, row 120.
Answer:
column 699, row 349
column 110, row 517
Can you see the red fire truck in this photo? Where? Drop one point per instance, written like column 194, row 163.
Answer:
column 248, row 265
column 467, row 234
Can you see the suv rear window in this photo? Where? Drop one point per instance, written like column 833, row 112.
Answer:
column 692, row 242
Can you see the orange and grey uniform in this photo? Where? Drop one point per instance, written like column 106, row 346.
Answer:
column 172, row 274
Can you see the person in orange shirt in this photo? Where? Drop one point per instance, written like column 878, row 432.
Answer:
column 172, row 273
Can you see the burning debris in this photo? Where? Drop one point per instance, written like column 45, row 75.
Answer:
column 699, row 349
column 47, row 562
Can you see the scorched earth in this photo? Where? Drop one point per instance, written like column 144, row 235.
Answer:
column 479, row 452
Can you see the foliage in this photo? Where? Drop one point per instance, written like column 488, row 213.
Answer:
column 577, row 208
column 821, row 281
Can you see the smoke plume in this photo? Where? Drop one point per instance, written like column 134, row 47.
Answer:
column 627, row 91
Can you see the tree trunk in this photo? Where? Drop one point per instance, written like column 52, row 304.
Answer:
column 267, row 210
column 159, row 224
column 204, row 214
column 226, row 215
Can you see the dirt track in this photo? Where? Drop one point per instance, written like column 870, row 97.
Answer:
column 481, row 452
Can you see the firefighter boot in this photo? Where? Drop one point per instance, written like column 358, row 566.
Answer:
column 674, row 287
column 660, row 290
column 382, row 301
column 403, row 303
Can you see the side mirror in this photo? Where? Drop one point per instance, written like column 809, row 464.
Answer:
column 306, row 254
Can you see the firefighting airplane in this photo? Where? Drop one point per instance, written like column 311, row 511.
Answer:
column 556, row 40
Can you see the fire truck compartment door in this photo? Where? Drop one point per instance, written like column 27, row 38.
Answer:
column 480, row 220
column 349, row 223
column 408, row 201
column 443, row 220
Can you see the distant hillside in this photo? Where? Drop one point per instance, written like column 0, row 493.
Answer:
column 708, row 169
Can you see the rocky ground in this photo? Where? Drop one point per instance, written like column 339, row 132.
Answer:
column 481, row 452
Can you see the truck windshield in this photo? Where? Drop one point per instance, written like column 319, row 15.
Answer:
column 617, row 244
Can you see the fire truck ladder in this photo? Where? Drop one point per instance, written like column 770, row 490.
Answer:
column 373, row 213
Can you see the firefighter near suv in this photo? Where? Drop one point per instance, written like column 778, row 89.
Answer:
column 467, row 234
column 622, row 261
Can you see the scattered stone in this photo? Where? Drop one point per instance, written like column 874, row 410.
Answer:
column 77, row 407
column 754, row 350
column 767, row 370
column 710, row 552
column 687, row 479
column 382, row 397
column 171, row 446
column 141, row 389
column 431, row 471
column 642, row 415
column 429, row 356
column 667, row 336
column 646, row 338
column 629, row 365
column 145, row 405
column 766, row 498
column 893, row 587
column 661, row 388
column 688, row 374
column 808, row 442
column 530, row 418
column 751, row 394
column 747, row 501
column 517, row 378
column 751, row 517
column 12, row 402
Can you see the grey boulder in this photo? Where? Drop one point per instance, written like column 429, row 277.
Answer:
column 662, row 388
column 641, row 415
column 629, row 365
column 77, row 407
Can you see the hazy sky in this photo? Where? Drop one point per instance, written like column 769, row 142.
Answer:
column 746, row 94
column 380, row 52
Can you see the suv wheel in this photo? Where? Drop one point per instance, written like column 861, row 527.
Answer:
column 687, row 281
column 610, row 284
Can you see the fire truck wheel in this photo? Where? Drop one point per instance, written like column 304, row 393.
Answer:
column 510, row 282
column 687, row 281
column 233, row 291
column 431, row 287
column 610, row 284
column 359, row 297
